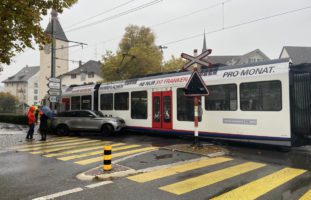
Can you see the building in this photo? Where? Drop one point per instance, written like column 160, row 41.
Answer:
column 297, row 55
column 89, row 72
column 24, row 85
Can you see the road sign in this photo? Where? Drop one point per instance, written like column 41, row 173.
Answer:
column 53, row 99
column 54, row 92
column 53, row 85
column 198, row 59
column 196, row 86
column 55, row 80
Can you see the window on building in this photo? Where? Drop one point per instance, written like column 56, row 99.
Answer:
column 35, row 91
column 261, row 96
column 35, row 85
column 75, row 103
column 90, row 75
column 139, row 105
column 35, row 98
column 73, row 76
column 87, row 102
column 121, row 101
column 106, row 101
column 185, row 106
column 222, row 97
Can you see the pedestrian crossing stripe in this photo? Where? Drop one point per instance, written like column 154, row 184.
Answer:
column 93, row 153
column 161, row 173
column 46, row 144
column 306, row 196
column 55, row 139
column 195, row 183
column 79, row 150
column 69, row 146
column 98, row 159
column 261, row 186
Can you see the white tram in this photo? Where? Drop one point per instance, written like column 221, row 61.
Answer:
column 267, row 102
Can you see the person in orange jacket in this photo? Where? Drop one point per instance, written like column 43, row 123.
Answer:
column 31, row 122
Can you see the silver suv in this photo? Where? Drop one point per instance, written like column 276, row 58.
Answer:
column 86, row 120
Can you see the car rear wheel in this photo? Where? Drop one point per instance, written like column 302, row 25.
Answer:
column 107, row 130
column 62, row 130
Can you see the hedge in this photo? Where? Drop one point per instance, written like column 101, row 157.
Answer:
column 14, row 119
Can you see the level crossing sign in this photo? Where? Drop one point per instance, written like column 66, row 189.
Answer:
column 197, row 59
column 196, row 86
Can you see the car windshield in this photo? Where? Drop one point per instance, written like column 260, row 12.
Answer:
column 98, row 113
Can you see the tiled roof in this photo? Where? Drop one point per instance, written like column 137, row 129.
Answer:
column 57, row 29
column 298, row 55
column 23, row 75
column 88, row 67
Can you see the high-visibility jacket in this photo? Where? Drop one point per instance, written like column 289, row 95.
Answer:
column 31, row 116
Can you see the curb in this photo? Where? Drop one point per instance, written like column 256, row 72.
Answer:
column 83, row 177
column 210, row 155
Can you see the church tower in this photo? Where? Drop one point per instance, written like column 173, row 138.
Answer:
column 61, row 54
column 204, row 43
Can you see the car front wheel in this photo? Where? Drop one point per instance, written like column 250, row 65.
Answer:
column 107, row 130
column 62, row 130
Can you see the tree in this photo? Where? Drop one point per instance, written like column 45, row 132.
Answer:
column 8, row 102
column 174, row 64
column 137, row 55
column 20, row 24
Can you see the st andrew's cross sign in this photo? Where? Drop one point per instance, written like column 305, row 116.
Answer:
column 198, row 59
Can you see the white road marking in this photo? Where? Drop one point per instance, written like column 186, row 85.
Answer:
column 98, row 184
column 59, row 194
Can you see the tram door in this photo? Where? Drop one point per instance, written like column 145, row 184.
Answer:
column 162, row 110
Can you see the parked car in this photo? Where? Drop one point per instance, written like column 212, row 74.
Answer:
column 86, row 120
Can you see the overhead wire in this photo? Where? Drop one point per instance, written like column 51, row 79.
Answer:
column 102, row 13
column 237, row 25
column 173, row 19
column 117, row 15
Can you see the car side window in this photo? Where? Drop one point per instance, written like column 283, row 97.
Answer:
column 85, row 114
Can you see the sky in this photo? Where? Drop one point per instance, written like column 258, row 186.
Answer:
column 231, row 26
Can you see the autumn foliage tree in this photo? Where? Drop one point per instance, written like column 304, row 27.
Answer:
column 137, row 55
column 174, row 64
column 20, row 24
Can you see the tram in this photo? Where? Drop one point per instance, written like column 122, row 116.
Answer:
column 265, row 102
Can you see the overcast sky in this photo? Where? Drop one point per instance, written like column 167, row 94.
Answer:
column 173, row 21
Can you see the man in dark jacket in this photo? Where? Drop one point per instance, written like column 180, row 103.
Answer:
column 43, row 128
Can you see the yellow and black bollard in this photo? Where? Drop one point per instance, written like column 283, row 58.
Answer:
column 107, row 158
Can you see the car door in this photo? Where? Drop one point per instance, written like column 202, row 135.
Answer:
column 84, row 121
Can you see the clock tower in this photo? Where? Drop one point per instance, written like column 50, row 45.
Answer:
column 61, row 54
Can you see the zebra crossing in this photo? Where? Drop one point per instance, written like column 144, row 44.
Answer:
column 223, row 172
column 81, row 151
column 209, row 173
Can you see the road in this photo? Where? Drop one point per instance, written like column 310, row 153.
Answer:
column 38, row 170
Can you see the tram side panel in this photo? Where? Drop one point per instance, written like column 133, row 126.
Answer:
column 262, row 112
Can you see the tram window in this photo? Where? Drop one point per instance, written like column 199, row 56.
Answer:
column 75, row 103
column 185, row 106
column 87, row 102
column 139, row 105
column 261, row 96
column 121, row 101
column 106, row 101
column 222, row 97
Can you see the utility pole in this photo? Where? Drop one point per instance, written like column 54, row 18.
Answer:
column 54, row 14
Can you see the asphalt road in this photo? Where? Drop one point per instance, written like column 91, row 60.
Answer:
column 29, row 176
